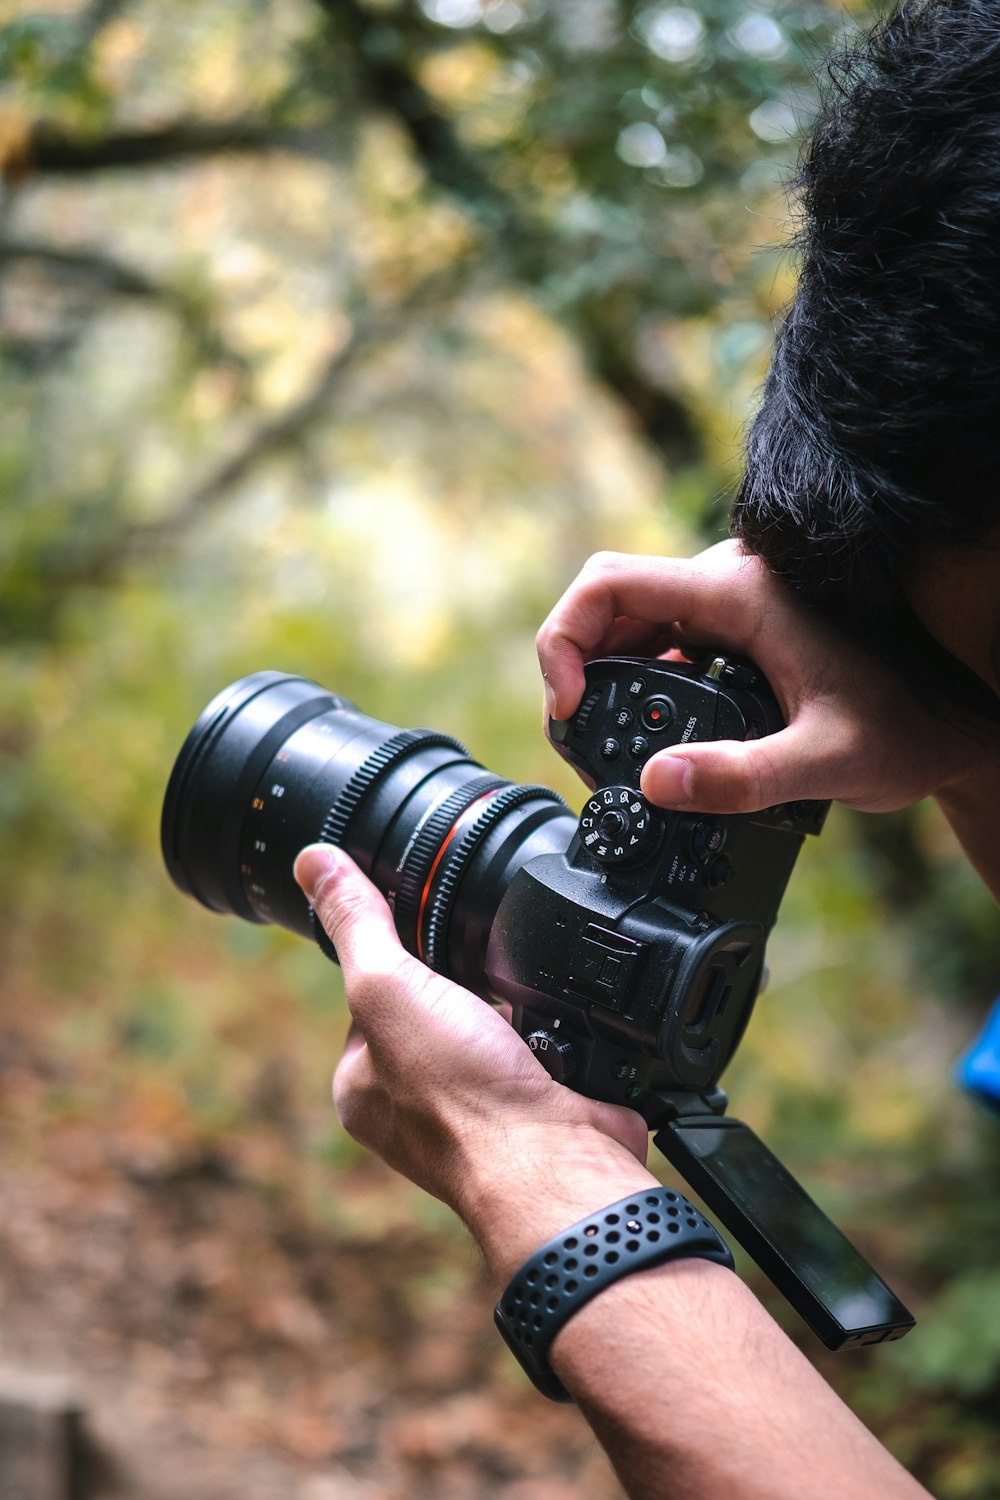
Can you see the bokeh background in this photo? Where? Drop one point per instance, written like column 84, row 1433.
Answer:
column 337, row 334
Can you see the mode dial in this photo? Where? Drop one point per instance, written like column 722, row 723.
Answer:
column 555, row 1054
column 618, row 826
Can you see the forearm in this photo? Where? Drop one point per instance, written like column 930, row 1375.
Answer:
column 692, row 1389
column 968, row 806
column 694, row 1392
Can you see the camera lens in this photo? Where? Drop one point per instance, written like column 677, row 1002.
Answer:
column 276, row 762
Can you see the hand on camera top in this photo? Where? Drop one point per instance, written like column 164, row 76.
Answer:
column 440, row 1085
column 855, row 732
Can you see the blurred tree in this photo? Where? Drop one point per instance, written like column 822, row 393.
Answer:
column 588, row 155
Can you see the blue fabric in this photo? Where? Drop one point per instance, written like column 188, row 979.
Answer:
column 979, row 1069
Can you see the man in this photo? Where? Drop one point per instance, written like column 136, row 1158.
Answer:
column 868, row 567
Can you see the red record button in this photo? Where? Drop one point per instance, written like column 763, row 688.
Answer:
column 657, row 713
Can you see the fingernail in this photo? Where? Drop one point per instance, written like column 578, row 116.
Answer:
column 313, row 863
column 667, row 781
column 550, row 702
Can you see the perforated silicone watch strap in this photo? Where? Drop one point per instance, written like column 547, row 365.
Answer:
column 643, row 1230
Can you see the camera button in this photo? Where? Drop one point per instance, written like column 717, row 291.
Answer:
column 720, row 872
column 637, row 687
column 706, row 838
column 624, row 717
column 657, row 713
column 610, row 749
column 555, row 1054
column 638, row 746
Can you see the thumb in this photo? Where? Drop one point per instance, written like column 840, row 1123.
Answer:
column 735, row 776
column 353, row 913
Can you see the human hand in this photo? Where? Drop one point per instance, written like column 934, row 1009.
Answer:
column 854, row 730
column 437, row 1082
column 444, row 1089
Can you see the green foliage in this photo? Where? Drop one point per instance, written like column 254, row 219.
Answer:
column 48, row 59
column 959, row 1347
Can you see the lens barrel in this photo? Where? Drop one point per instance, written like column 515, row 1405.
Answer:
column 276, row 762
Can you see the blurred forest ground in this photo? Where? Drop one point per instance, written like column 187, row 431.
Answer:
column 336, row 336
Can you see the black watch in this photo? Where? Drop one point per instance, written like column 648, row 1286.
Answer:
column 640, row 1231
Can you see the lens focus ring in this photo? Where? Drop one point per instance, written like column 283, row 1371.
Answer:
column 434, row 945
column 425, row 849
column 338, row 819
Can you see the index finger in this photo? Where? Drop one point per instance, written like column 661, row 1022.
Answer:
column 693, row 594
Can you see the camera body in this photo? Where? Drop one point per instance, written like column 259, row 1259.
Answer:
column 630, row 942
column 633, row 960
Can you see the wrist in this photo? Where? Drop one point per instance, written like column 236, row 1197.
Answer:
column 519, row 1189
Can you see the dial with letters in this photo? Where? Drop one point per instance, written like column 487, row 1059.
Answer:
column 618, row 826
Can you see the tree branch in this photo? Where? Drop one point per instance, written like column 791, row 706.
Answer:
column 114, row 275
column 286, row 429
column 390, row 84
column 48, row 149
column 115, row 278
column 660, row 416
column 282, row 432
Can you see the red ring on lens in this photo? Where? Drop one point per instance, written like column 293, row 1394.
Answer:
column 439, row 856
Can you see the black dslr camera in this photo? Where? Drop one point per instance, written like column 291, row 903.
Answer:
column 630, row 943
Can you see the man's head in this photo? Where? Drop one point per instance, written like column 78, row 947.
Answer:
column 876, row 449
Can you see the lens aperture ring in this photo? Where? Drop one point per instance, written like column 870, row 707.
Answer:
column 388, row 754
column 433, row 937
column 427, row 845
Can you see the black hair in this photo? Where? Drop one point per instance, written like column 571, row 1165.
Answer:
column 877, row 439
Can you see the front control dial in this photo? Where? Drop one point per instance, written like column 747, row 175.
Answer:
column 618, row 826
column 555, row 1054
